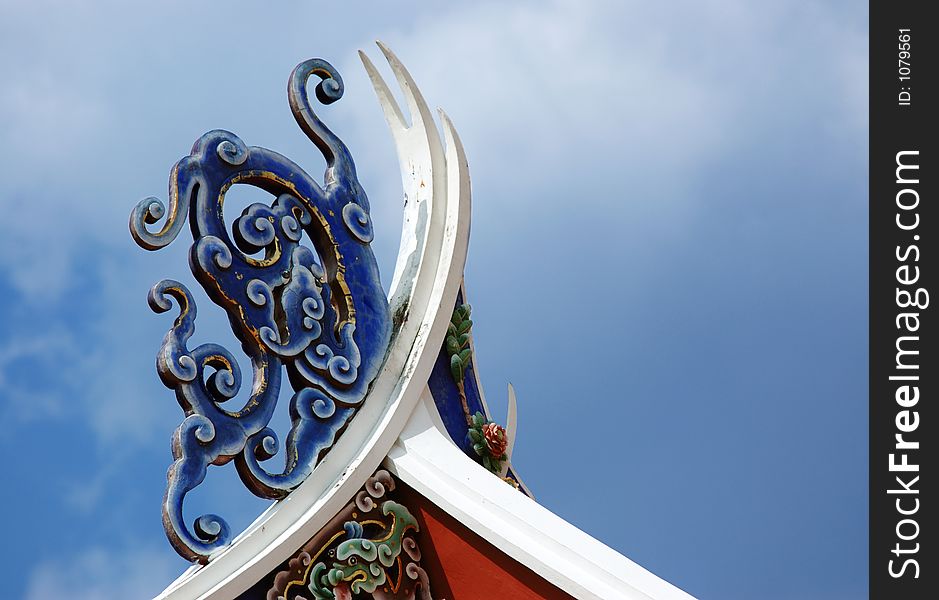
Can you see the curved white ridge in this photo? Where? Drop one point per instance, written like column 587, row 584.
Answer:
column 427, row 278
column 421, row 159
column 511, row 430
column 426, row 459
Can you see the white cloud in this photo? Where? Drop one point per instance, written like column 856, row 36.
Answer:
column 538, row 84
column 100, row 574
column 27, row 402
column 92, row 363
column 47, row 118
column 619, row 109
column 88, row 495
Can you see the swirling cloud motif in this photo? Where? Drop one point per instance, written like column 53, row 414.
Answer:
column 361, row 562
column 321, row 314
column 374, row 551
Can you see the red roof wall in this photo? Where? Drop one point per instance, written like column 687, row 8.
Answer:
column 464, row 566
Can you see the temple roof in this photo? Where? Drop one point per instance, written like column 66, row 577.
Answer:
column 396, row 480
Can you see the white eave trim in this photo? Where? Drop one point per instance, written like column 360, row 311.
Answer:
column 428, row 461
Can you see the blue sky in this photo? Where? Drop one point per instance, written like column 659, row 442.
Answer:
column 668, row 261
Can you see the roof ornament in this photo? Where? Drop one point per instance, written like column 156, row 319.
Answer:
column 369, row 547
column 391, row 448
column 301, row 288
column 490, row 441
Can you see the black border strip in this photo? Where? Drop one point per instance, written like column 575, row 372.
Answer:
column 903, row 369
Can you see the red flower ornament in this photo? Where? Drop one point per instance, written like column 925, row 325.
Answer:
column 496, row 442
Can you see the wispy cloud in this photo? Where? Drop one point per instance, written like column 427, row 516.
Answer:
column 539, row 85
column 102, row 574
column 24, row 400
